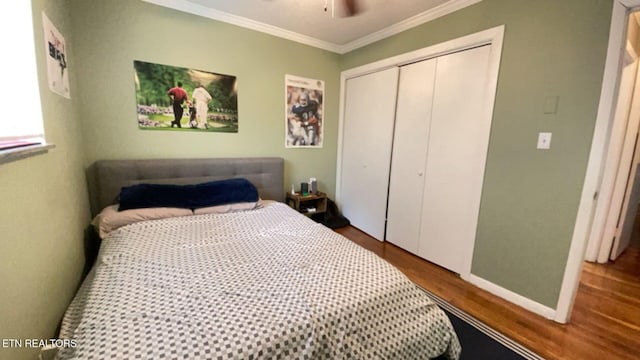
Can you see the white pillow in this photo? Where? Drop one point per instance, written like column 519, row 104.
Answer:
column 221, row 209
column 110, row 218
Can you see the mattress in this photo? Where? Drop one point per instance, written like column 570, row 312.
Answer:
column 267, row 283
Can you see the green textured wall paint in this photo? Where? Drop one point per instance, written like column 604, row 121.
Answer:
column 110, row 35
column 530, row 197
column 43, row 214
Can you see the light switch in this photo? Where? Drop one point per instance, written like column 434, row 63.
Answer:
column 544, row 140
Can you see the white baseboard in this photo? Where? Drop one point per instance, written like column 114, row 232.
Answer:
column 512, row 297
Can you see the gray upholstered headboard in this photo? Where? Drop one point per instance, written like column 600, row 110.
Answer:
column 106, row 177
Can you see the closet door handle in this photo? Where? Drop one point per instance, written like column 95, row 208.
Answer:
column 420, row 173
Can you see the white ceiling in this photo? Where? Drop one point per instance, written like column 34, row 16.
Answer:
column 305, row 21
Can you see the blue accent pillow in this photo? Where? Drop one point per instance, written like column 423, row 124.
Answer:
column 187, row 196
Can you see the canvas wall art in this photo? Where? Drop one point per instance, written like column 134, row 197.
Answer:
column 183, row 99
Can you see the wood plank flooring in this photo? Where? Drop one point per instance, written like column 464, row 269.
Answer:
column 605, row 322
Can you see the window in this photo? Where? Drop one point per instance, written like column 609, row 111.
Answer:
column 21, row 122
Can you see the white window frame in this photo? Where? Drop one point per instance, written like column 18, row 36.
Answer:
column 21, row 127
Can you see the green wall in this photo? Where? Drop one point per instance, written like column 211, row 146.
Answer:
column 530, row 197
column 43, row 215
column 110, row 35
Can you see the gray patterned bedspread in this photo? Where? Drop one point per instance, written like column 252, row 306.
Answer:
column 263, row 284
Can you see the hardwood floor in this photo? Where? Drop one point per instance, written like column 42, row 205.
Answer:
column 605, row 322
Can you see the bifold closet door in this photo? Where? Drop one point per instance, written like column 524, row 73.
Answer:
column 366, row 149
column 456, row 157
column 406, row 183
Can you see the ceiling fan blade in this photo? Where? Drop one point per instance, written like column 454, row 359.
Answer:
column 351, row 7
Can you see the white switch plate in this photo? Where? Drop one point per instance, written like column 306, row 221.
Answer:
column 544, row 140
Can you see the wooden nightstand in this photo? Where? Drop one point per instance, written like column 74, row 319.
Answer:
column 308, row 204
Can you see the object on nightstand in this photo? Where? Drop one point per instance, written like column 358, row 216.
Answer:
column 313, row 185
column 304, row 188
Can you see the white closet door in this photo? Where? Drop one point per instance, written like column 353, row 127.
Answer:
column 458, row 142
column 366, row 149
column 413, row 117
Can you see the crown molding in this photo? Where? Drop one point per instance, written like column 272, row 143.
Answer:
column 199, row 10
column 432, row 14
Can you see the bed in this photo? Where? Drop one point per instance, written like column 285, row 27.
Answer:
column 241, row 280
